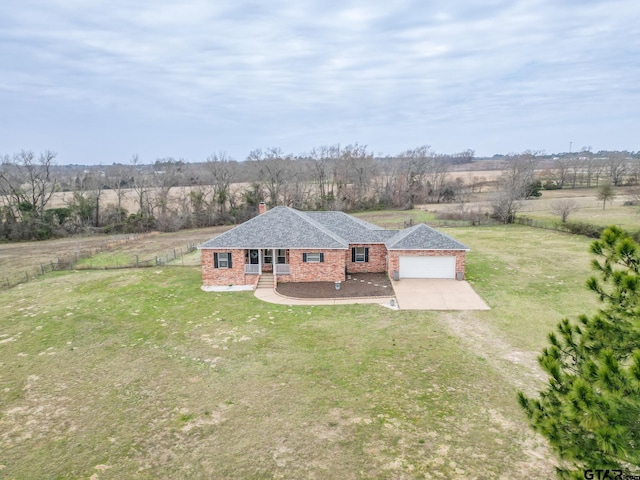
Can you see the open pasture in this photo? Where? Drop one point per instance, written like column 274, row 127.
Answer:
column 20, row 260
column 140, row 374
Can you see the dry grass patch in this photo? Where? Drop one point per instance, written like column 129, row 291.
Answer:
column 140, row 374
column 152, row 378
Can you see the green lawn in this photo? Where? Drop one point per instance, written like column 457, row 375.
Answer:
column 140, row 374
column 627, row 217
column 395, row 219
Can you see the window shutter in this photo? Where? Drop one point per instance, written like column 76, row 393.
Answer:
column 353, row 254
column 215, row 260
column 304, row 257
column 366, row 254
column 229, row 257
column 321, row 257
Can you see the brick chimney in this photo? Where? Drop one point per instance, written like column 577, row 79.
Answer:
column 262, row 207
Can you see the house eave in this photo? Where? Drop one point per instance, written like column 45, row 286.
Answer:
column 277, row 247
column 432, row 249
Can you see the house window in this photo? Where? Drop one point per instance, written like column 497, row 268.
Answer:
column 313, row 257
column 222, row 260
column 359, row 254
column 268, row 258
column 282, row 256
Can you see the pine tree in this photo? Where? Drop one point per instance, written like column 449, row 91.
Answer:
column 590, row 409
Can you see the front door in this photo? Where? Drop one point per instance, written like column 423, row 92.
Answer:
column 254, row 258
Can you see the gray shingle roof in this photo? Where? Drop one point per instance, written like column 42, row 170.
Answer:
column 284, row 227
column 280, row 227
column 352, row 229
column 423, row 237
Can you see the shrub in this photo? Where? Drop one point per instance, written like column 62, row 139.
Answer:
column 582, row 228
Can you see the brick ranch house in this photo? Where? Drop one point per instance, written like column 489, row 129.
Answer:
column 296, row 246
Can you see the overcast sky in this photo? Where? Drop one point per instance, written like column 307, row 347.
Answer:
column 98, row 81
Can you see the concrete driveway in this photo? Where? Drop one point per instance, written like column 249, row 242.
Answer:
column 436, row 294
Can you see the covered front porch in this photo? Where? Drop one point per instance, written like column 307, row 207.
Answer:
column 266, row 260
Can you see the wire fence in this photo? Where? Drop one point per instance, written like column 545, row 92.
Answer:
column 170, row 259
column 576, row 228
column 83, row 259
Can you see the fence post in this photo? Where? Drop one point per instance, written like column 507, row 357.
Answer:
column 137, row 265
column 174, row 254
column 42, row 268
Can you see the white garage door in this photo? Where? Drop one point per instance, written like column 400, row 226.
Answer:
column 427, row 267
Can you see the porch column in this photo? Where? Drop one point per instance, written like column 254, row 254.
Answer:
column 259, row 262
column 274, row 262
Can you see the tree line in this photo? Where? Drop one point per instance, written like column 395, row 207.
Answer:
column 170, row 194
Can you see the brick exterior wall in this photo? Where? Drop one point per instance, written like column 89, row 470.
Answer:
column 331, row 270
column 336, row 263
column 394, row 257
column 377, row 259
column 221, row 277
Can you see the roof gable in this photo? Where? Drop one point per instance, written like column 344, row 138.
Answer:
column 423, row 237
column 284, row 227
column 352, row 229
column 280, row 227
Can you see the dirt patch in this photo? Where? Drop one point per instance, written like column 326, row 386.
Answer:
column 356, row 285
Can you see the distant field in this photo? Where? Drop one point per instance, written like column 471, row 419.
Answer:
column 589, row 209
column 21, row 259
column 140, row 374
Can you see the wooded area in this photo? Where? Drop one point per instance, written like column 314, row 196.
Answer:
column 171, row 194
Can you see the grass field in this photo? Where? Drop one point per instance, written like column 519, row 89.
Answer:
column 140, row 374
column 588, row 209
column 24, row 259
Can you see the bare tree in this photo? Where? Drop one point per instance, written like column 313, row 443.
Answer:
column 465, row 156
column 222, row 170
column 84, row 203
column 95, row 183
column 118, row 177
column 514, row 186
column 141, row 184
column 360, row 169
column 167, row 173
column 576, row 166
column 563, row 207
column 28, row 183
column 606, row 193
column 324, row 160
column 562, row 172
column 634, row 172
column 272, row 168
column 297, row 189
column 438, row 178
column 617, row 166
column 593, row 170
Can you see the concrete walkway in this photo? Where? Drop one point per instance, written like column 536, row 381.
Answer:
column 411, row 294
column 271, row 296
column 436, row 294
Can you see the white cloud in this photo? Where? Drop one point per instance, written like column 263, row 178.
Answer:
column 343, row 71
